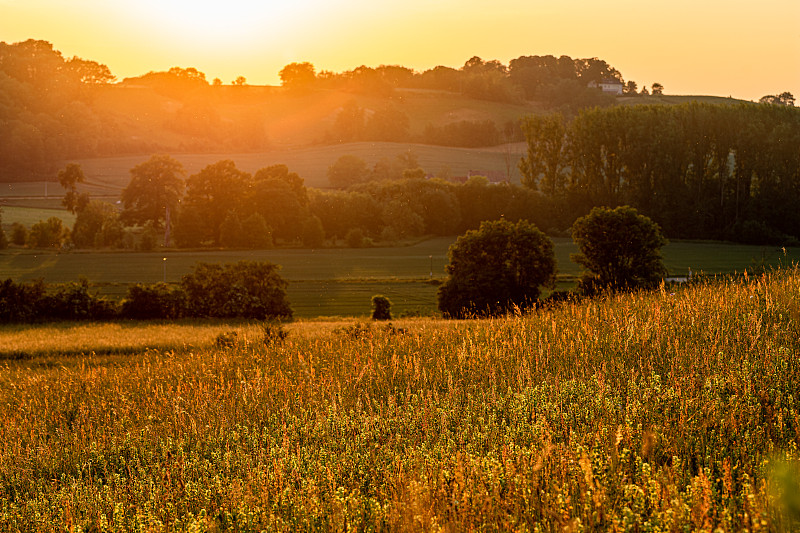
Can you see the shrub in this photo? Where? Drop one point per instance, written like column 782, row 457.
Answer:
column 274, row 333
column 157, row 301
column 313, row 232
column 228, row 339
column 73, row 301
column 381, row 308
column 230, row 232
column 21, row 302
column 256, row 234
column 245, row 289
column 48, row 234
column 149, row 237
column 19, row 234
column 354, row 238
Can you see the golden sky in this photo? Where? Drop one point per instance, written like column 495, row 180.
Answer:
column 744, row 49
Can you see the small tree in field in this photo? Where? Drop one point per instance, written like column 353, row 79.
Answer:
column 620, row 248
column 381, row 308
column 497, row 268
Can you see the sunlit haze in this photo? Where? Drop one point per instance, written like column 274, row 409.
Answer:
column 733, row 47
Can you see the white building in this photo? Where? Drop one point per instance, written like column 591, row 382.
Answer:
column 608, row 86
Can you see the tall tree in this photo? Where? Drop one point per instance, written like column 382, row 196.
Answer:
column 214, row 192
column 546, row 162
column 69, row 178
column 154, row 190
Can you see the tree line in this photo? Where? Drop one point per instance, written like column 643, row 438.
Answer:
column 246, row 289
column 554, row 80
column 223, row 206
column 699, row 170
column 49, row 110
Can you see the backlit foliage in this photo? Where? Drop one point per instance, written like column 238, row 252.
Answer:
column 649, row 412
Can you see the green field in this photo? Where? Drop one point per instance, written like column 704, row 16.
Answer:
column 667, row 411
column 111, row 175
column 340, row 281
column 28, row 216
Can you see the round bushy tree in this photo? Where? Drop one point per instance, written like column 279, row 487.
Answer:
column 620, row 248
column 381, row 307
column 497, row 268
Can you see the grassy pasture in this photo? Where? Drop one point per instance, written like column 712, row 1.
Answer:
column 336, row 281
column 646, row 412
column 28, row 216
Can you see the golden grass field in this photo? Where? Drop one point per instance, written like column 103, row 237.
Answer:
column 668, row 411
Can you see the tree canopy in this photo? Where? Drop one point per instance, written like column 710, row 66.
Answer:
column 620, row 248
column 497, row 268
column 155, row 187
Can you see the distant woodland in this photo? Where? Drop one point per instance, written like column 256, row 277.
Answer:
column 704, row 171
column 54, row 108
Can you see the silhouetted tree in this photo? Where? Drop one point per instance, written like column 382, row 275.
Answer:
column 69, row 178
column 785, row 98
column 497, row 268
column 155, row 187
column 298, row 75
column 216, row 191
column 381, row 308
column 620, row 248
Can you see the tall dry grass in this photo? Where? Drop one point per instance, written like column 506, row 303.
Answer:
column 645, row 412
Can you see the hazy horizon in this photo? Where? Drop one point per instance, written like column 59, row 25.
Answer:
column 724, row 49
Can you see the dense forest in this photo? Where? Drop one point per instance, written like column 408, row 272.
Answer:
column 701, row 171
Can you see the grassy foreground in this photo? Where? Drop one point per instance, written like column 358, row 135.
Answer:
column 653, row 412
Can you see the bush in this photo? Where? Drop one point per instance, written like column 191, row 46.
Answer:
column 48, row 234
column 354, row 238
column 758, row 232
column 21, row 302
column 149, row 237
column 246, row 289
column 256, row 233
column 381, row 308
column 497, row 268
column 274, row 333
column 313, row 232
column 228, row 339
column 158, row 301
column 19, row 234
column 230, row 232
column 73, row 301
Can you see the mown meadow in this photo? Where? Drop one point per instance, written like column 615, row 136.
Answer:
column 668, row 411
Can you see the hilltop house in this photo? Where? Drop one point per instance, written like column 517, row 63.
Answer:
column 608, row 86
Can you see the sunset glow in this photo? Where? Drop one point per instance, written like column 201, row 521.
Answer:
column 732, row 48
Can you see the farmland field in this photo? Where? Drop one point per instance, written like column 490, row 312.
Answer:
column 670, row 411
column 337, row 281
column 312, row 164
